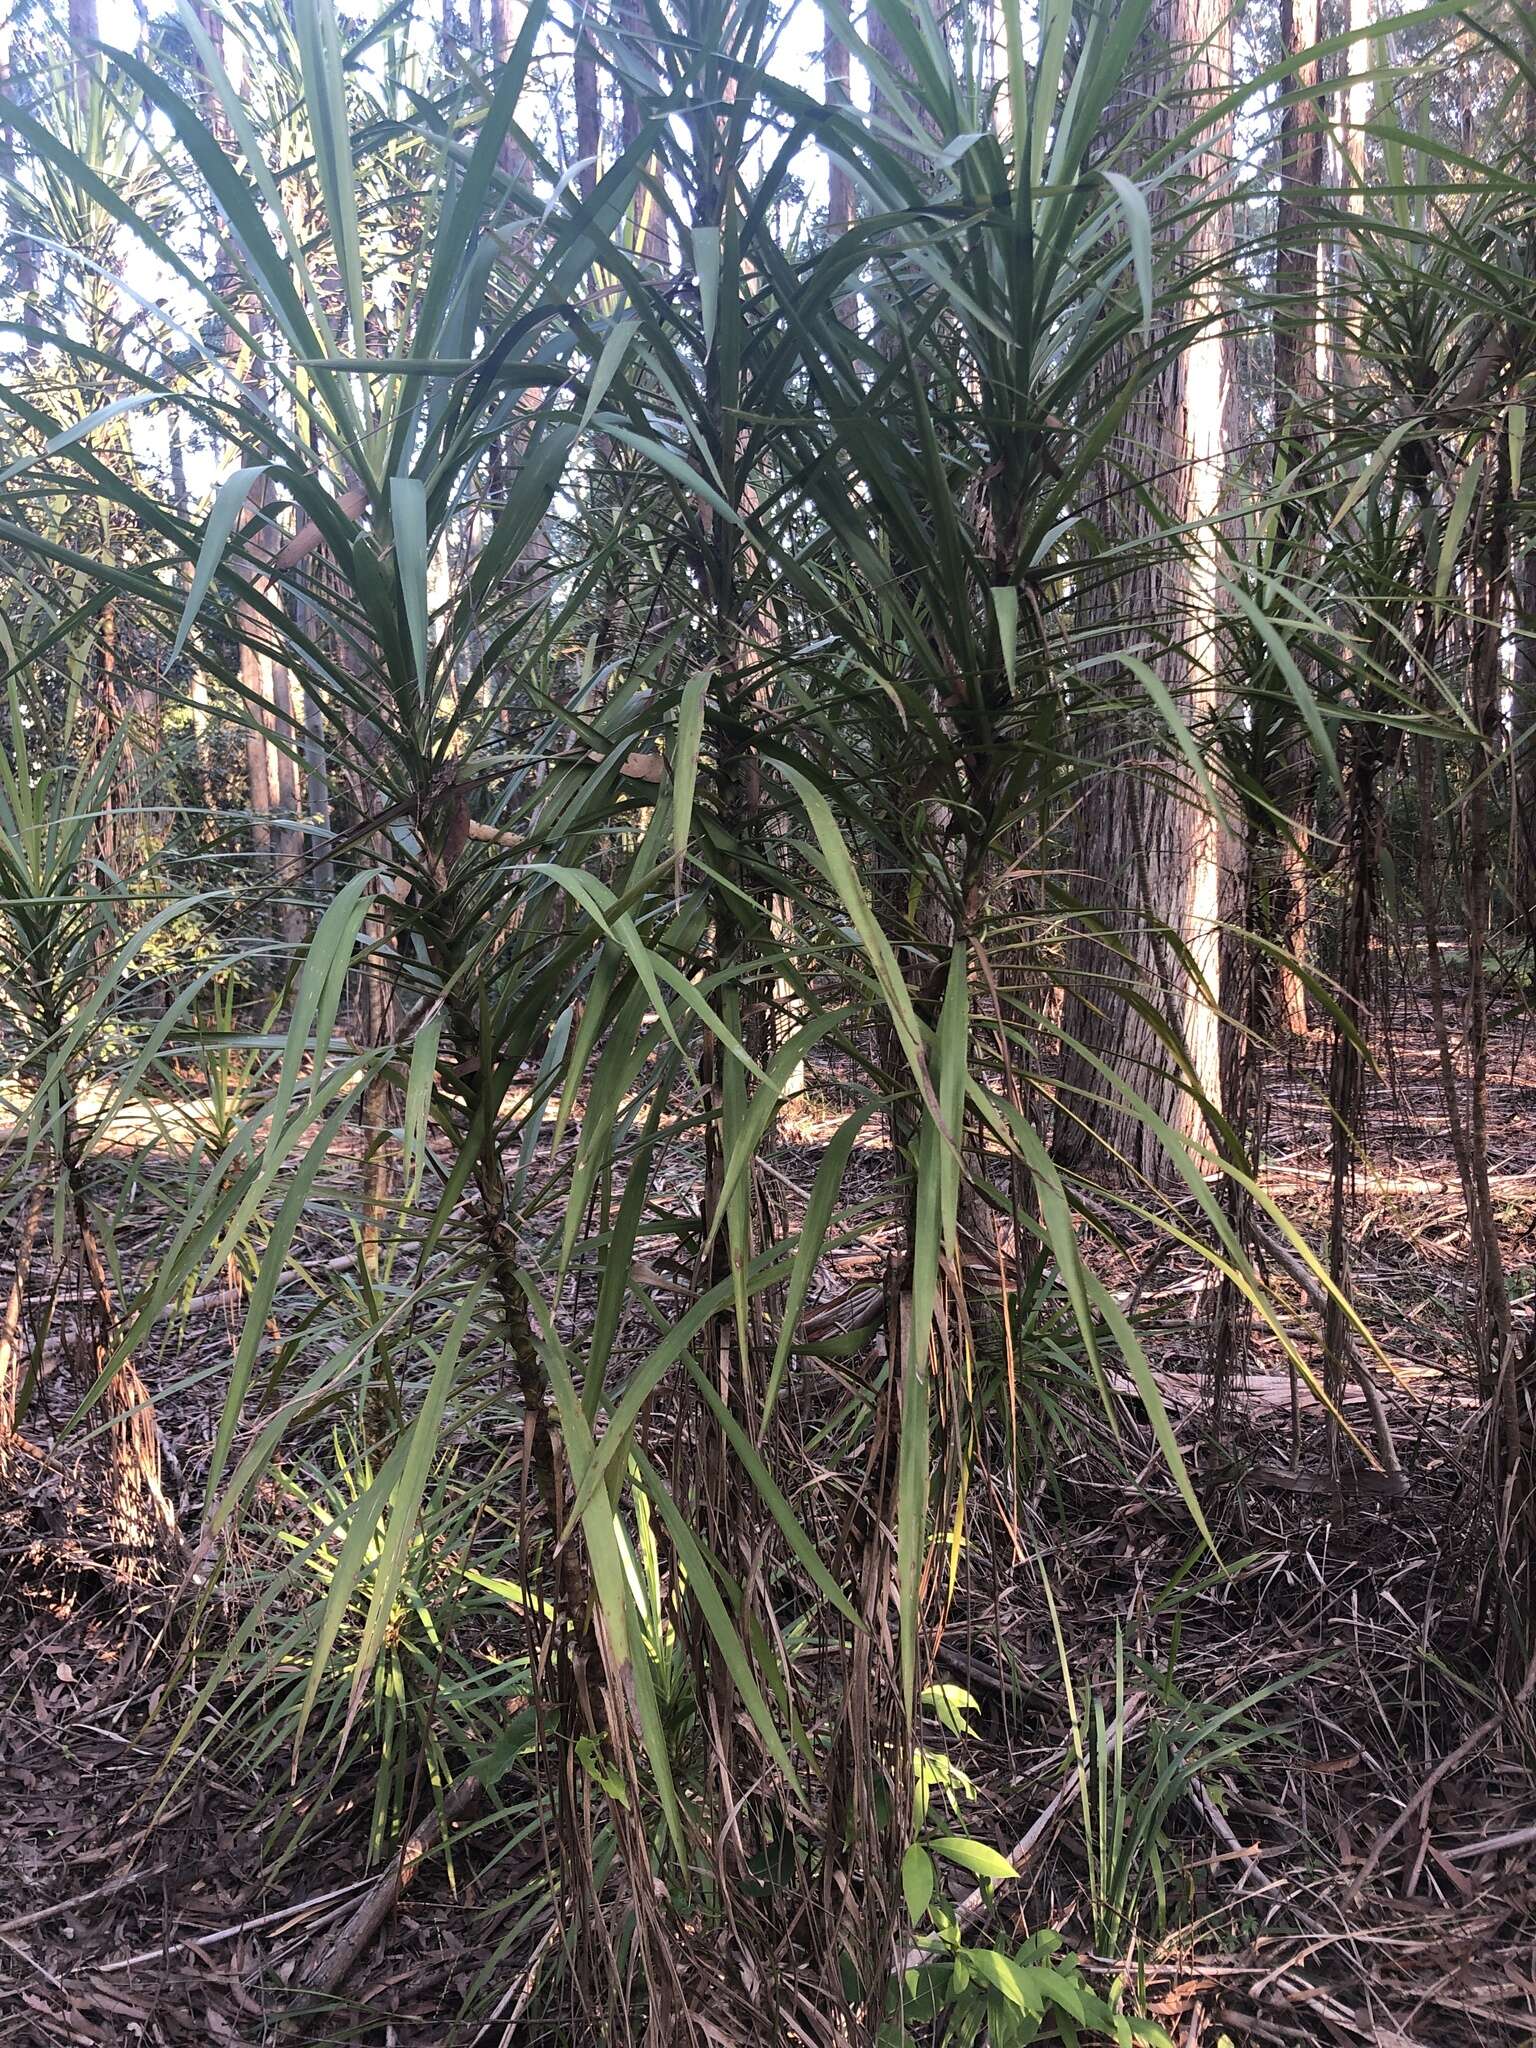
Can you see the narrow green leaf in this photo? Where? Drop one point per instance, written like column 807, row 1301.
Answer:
column 1138, row 226
column 1455, row 526
column 1183, row 738
column 685, row 768
column 1517, row 426
column 814, row 1225
column 914, row 1452
column 1296, row 682
column 345, row 1575
column 420, row 1077
column 1374, row 469
column 408, row 518
column 1129, row 1345
column 952, row 1048
column 772, row 1496
column 421, row 1444
column 667, row 458
column 1055, row 20
column 1005, row 603
column 227, row 507
column 706, row 263
column 321, row 982
column 325, row 96
column 80, row 431
column 258, row 1307
column 703, row 1588
column 877, row 947
column 615, row 347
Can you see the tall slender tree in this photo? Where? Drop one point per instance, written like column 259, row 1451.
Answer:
column 1145, row 833
column 1298, row 350
column 836, row 71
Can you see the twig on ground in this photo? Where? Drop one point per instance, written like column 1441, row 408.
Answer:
column 341, row 1951
column 201, row 1941
column 119, row 1883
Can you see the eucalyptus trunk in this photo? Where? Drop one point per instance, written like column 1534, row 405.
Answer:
column 1146, row 838
column 1297, row 400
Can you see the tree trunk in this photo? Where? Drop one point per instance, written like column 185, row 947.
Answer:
column 835, row 70
column 589, row 114
column 317, row 799
column 504, row 27
column 276, row 803
column 1147, row 852
column 1297, row 391
column 1263, row 997
column 884, row 45
column 288, row 802
column 1522, row 776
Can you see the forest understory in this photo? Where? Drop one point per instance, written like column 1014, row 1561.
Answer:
column 767, row 1023
column 1319, row 1828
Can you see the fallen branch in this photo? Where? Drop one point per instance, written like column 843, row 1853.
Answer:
column 282, row 1915
column 329, row 1968
column 121, row 1882
column 1468, row 1852
column 25, row 1956
column 307, row 539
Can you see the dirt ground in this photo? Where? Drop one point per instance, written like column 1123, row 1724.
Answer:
column 1361, row 1867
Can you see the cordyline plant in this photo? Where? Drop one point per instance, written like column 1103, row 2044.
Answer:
column 688, row 619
